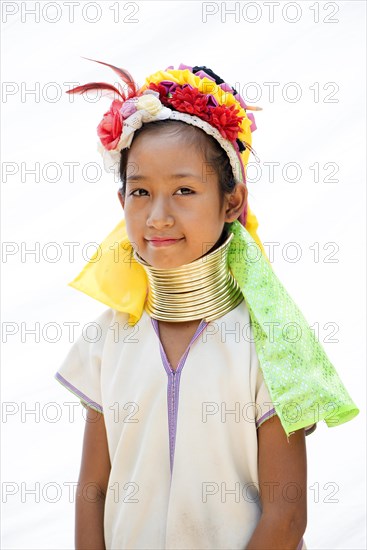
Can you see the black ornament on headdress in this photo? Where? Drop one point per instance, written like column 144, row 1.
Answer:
column 218, row 79
column 241, row 145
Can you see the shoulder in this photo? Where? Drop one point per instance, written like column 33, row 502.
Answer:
column 80, row 371
column 94, row 334
column 106, row 321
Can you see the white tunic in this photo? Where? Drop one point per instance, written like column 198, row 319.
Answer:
column 182, row 445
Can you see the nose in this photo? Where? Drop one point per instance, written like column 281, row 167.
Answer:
column 160, row 215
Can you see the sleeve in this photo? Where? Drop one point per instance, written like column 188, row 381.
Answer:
column 264, row 405
column 80, row 372
column 265, row 408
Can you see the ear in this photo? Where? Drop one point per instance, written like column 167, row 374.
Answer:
column 121, row 198
column 236, row 202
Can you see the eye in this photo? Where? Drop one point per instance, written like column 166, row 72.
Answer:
column 186, row 189
column 135, row 190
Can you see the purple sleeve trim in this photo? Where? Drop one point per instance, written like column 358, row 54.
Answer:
column 311, row 430
column 78, row 393
column 264, row 417
column 272, row 412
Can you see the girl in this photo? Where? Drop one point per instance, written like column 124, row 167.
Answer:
column 203, row 378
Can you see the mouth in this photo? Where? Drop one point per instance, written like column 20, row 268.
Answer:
column 163, row 242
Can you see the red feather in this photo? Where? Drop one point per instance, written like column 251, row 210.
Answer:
column 97, row 86
column 123, row 74
column 108, row 88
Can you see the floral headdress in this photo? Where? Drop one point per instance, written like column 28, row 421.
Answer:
column 195, row 95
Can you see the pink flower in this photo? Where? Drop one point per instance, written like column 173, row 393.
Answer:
column 110, row 128
column 128, row 108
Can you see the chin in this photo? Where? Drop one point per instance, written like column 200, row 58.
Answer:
column 166, row 258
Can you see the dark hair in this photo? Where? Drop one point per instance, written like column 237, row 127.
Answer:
column 214, row 155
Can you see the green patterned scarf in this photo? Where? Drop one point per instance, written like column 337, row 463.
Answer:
column 304, row 386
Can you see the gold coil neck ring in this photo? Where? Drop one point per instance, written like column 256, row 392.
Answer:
column 203, row 289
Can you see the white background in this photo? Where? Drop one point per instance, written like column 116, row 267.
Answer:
column 50, row 127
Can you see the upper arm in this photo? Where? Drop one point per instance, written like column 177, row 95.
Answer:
column 282, row 472
column 93, row 483
column 95, row 465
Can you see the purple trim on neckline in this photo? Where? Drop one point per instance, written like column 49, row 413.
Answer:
column 198, row 331
column 299, row 547
column 78, row 393
column 173, row 385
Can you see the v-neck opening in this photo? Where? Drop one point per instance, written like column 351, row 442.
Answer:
column 182, row 360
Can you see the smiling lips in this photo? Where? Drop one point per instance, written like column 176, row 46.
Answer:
column 162, row 241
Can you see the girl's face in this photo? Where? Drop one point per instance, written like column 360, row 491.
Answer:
column 172, row 203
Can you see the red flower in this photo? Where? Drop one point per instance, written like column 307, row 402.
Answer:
column 110, row 128
column 161, row 90
column 191, row 101
column 226, row 120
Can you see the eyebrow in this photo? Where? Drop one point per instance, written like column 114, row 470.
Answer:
column 140, row 177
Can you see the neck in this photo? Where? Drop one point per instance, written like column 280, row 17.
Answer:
column 202, row 289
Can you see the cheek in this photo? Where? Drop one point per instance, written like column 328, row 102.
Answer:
column 135, row 224
column 132, row 211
